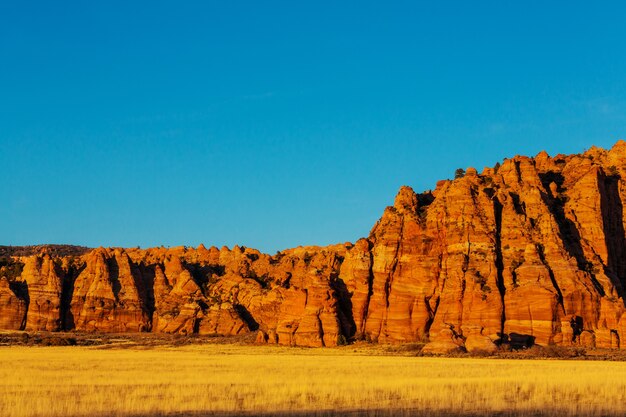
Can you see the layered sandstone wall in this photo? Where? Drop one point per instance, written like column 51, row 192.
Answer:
column 530, row 251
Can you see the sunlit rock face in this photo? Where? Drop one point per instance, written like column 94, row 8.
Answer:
column 44, row 284
column 532, row 250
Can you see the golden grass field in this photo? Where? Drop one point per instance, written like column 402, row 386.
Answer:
column 261, row 380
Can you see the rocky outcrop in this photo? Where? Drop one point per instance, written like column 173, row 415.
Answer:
column 12, row 307
column 44, row 286
column 293, row 297
column 108, row 295
column 531, row 251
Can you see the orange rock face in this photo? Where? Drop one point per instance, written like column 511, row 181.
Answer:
column 12, row 307
column 530, row 251
column 44, row 293
column 108, row 295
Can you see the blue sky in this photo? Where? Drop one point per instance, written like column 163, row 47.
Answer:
column 277, row 124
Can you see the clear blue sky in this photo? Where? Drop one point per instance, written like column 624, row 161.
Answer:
column 275, row 124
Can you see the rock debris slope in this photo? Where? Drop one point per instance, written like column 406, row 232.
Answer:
column 530, row 251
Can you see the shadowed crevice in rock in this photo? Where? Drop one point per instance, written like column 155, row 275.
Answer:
column 67, row 292
column 139, row 281
column 497, row 210
column 518, row 205
column 577, row 325
column 345, row 313
column 613, row 228
column 147, row 274
column 518, row 170
column 114, row 277
column 246, row 317
column 20, row 289
column 570, row 236
column 424, row 200
column 550, row 177
column 204, row 275
column 521, row 341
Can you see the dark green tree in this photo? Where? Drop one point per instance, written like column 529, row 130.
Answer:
column 459, row 173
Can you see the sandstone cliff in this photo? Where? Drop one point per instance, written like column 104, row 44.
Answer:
column 532, row 250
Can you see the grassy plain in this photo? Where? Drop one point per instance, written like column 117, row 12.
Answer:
column 232, row 380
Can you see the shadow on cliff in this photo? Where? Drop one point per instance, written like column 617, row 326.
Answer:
column 67, row 292
column 20, row 289
column 148, row 275
column 204, row 275
column 247, row 317
column 613, row 228
column 570, row 236
column 517, row 340
column 344, row 304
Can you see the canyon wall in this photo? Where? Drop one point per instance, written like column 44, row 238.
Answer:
column 531, row 251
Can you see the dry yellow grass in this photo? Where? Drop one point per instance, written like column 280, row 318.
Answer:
column 224, row 379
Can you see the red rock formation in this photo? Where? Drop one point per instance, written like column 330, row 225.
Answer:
column 177, row 299
column 107, row 295
column 44, row 293
column 12, row 308
column 530, row 251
